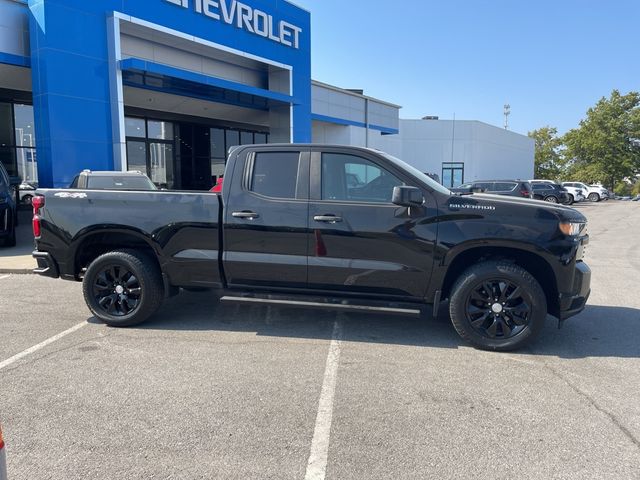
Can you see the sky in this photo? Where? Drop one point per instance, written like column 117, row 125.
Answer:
column 550, row 60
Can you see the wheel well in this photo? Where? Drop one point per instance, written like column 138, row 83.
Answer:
column 97, row 244
column 534, row 264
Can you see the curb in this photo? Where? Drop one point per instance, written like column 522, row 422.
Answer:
column 17, row 271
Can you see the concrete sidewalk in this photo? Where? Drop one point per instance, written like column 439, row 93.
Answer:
column 18, row 259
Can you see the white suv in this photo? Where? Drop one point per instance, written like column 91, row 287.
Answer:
column 595, row 193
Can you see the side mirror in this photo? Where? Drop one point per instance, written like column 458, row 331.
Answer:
column 478, row 190
column 407, row 196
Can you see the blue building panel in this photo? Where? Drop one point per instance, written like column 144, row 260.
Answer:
column 70, row 67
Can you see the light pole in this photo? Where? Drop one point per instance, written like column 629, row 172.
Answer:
column 507, row 112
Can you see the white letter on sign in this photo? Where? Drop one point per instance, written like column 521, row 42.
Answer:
column 261, row 23
column 208, row 5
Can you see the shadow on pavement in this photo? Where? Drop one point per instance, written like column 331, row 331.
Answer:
column 599, row 331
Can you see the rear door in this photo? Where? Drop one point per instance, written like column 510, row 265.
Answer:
column 360, row 242
column 266, row 219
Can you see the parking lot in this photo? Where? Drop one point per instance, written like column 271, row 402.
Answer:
column 206, row 390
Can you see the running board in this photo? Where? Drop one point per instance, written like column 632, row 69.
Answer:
column 322, row 305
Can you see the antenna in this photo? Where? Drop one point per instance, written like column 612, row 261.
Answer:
column 507, row 112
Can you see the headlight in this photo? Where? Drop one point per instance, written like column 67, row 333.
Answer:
column 572, row 229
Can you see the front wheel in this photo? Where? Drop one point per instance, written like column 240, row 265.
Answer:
column 497, row 306
column 27, row 199
column 551, row 199
column 123, row 288
column 570, row 200
column 594, row 197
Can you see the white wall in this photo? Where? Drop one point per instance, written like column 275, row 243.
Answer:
column 488, row 152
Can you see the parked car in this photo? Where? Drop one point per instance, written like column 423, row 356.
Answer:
column 112, row 181
column 288, row 229
column 550, row 192
column 8, row 213
column 3, row 458
column 26, row 192
column 512, row 188
column 575, row 194
column 594, row 193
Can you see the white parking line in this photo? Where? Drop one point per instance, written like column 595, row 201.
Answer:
column 2, row 277
column 37, row 347
column 317, row 464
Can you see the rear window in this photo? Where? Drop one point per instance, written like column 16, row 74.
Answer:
column 120, row 183
column 275, row 174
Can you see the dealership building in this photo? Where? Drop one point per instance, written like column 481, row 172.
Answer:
column 168, row 86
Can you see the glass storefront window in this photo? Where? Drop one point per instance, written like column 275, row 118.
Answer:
column 160, row 130
column 6, row 125
column 27, row 164
column 246, row 138
column 137, row 156
column 233, row 138
column 8, row 159
column 217, row 169
column 134, row 127
column 161, row 160
column 217, row 143
column 24, row 126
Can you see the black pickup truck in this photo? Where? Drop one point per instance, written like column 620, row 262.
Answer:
column 319, row 226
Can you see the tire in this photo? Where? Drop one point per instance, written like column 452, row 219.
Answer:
column 594, row 197
column 27, row 199
column 498, row 331
column 123, row 288
column 551, row 199
column 571, row 200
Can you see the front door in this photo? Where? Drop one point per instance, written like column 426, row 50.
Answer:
column 266, row 226
column 360, row 242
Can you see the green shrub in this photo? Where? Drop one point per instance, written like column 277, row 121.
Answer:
column 623, row 189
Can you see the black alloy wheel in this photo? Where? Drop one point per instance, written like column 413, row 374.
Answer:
column 497, row 308
column 117, row 290
column 497, row 305
column 123, row 287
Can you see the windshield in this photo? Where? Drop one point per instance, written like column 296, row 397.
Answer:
column 120, row 183
column 416, row 173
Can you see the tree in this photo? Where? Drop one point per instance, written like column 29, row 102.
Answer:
column 548, row 159
column 605, row 147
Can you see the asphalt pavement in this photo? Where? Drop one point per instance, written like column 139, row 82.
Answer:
column 206, row 390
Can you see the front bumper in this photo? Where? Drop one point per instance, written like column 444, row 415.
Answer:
column 47, row 266
column 573, row 303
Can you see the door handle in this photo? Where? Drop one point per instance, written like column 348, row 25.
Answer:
column 245, row 214
column 327, row 218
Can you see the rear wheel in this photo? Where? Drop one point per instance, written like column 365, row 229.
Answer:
column 570, row 200
column 594, row 197
column 497, row 306
column 551, row 199
column 27, row 199
column 123, row 288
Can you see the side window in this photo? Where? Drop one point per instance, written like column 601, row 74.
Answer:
column 355, row 179
column 275, row 174
column 74, row 184
column 484, row 186
column 504, row 187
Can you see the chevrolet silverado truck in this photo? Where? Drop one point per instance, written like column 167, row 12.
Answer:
column 319, row 226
